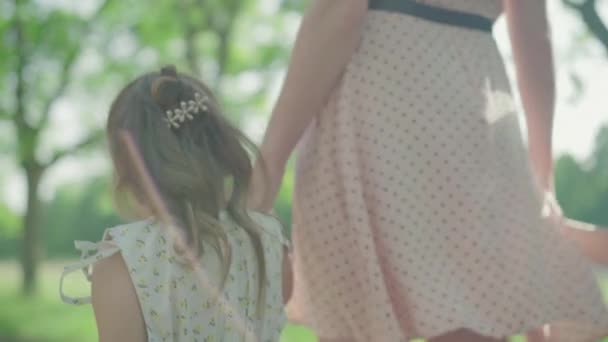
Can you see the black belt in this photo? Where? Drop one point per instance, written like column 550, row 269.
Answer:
column 433, row 13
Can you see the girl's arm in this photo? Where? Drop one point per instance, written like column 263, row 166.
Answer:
column 328, row 36
column 530, row 39
column 117, row 312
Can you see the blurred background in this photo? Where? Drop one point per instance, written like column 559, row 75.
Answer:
column 62, row 61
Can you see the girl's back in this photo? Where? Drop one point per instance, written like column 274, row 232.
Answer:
column 180, row 302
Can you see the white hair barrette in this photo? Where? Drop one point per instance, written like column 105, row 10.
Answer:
column 176, row 117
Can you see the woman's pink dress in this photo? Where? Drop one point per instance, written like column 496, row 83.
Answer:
column 415, row 211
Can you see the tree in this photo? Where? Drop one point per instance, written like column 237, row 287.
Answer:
column 79, row 211
column 582, row 187
column 42, row 46
column 226, row 42
column 587, row 10
column 38, row 37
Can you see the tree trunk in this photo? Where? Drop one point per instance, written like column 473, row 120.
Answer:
column 31, row 242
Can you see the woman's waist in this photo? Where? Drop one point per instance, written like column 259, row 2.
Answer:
column 474, row 16
column 401, row 45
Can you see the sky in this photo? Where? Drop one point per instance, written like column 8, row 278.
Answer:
column 576, row 123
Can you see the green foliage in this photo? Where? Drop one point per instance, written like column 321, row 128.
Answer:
column 42, row 318
column 82, row 211
column 45, row 318
column 78, row 212
column 9, row 232
column 59, row 51
column 9, row 223
column 283, row 206
column 582, row 188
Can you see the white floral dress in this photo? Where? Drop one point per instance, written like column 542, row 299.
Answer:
column 181, row 304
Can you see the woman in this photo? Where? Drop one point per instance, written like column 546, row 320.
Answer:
column 417, row 211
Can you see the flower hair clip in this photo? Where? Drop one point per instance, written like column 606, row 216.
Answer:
column 176, row 117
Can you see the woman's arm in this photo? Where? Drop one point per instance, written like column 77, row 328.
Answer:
column 328, row 36
column 117, row 312
column 530, row 39
column 529, row 31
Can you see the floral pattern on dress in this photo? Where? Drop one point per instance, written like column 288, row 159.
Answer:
column 182, row 304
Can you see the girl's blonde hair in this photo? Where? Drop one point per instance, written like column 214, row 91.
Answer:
column 198, row 168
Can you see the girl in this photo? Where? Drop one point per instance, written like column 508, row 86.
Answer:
column 417, row 210
column 199, row 267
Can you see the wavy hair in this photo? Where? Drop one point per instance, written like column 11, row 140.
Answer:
column 198, row 169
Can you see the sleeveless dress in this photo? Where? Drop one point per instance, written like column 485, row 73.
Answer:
column 415, row 209
column 181, row 304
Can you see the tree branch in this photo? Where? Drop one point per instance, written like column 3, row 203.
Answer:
column 64, row 81
column 88, row 141
column 223, row 29
column 588, row 12
column 572, row 4
column 208, row 15
column 27, row 135
column 225, row 35
column 594, row 22
column 69, row 61
column 20, row 43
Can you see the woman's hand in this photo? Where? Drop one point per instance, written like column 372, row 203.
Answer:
column 329, row 34
column 265, row 185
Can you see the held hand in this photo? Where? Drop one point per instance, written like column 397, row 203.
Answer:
column 552, row 209
column 265, row 186
column 592, row 241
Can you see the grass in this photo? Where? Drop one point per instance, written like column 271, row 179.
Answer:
column 44, row 318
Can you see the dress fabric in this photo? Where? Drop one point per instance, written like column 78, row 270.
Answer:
column 415, row 209
column 180, row 303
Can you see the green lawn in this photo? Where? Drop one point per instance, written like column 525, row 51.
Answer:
column 45, row 318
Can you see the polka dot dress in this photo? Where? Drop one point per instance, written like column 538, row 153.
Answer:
column 415, row 209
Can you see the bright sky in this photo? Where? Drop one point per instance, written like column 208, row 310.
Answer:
column 577, row 122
